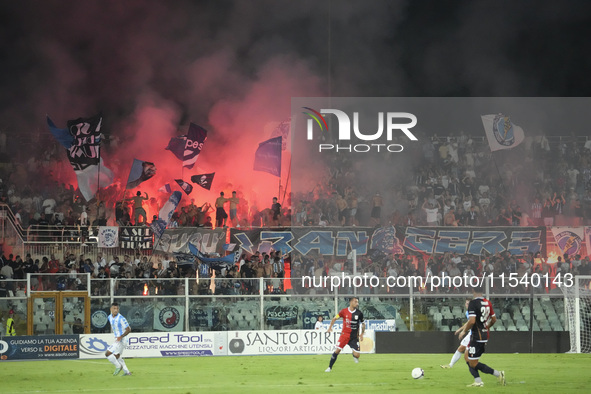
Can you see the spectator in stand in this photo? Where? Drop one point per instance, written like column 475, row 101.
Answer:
column 503, row 219
column 536, row 212
column 276, row 212
column 472, row 217
column 234, row 201
column 548, row 211
column 88, row 267
column 101, row 214
column 431, row 210
column 343, row 210
column 220, row 215
column 54, row 265
column 138, row 208
column 450, row 218
column 376, row 209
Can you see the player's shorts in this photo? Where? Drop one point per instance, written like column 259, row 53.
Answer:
column 345, row 340
column 476, row 350
column 466, row 341
column 233, row 213
column 118, row 347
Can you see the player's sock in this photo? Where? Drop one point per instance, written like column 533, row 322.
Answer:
column 474, row 373
column 123, row 365
column 455, row 358
column 114, row 361
column 486, row 369
column 333, row 358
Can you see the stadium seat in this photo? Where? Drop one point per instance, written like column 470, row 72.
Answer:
column 40, row 328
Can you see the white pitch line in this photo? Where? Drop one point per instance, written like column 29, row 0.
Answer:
column 193, row 387
column 91, row 362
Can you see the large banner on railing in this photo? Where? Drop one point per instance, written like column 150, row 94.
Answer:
column 398, row 240
column 176, row 240
column 157, row 344
column 242, row 343
column 49, row 347
column 136, row 238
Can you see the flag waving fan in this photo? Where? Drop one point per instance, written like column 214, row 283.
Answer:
column 203, row 180
column 82, row 141
column 215, row 262
column 501, row 133
column 187, row 188
column 165, row 214
column 140, row 171
column 187, row 147
column 268, row 156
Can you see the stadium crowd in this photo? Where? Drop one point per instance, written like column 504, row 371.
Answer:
column 159, row 274
column 452, row 184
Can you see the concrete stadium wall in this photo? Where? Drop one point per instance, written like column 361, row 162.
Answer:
column 447, row 342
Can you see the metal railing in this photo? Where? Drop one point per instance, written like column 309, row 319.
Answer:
column 11, row 232
column 271, row 303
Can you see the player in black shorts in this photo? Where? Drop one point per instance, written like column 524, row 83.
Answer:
column 481, row 317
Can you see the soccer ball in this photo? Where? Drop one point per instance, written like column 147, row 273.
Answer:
column 418, row 373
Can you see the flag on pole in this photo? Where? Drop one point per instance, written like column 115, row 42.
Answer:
column 203, row 180
column 140, row 171
column 501, row 133
column 165, row 189
column 187, row 188
column 282, row 130
column 165, row 214
column 216, row 262
column 268, row 156
column 82, row 139
column 187, row 147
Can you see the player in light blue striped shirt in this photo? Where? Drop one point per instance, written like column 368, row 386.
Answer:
column 121, row 329
column 465, row 342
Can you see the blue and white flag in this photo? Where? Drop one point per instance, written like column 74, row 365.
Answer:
column 165, row 214
column 82, row 139
column 283, row 130
column 215, row 262
column 165, row 189
column 268, row 156
column 229, row 247
column 187, row 187
column 140, row 171
column 501, row 133
column 187, row 147
column 183, row 259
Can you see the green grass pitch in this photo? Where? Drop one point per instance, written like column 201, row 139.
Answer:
column 376, row 373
